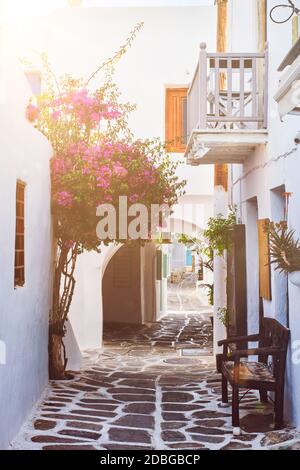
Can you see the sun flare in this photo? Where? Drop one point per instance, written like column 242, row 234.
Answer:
column 23, row 9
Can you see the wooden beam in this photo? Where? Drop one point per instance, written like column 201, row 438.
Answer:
column 262, row 24
column 221, row 171
column 222, row 24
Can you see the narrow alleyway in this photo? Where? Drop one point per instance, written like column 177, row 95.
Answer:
column 184, row 296
column 140, row 393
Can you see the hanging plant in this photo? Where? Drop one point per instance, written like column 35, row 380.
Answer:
column 218, row 229
column 96, row 160
column 284, row 248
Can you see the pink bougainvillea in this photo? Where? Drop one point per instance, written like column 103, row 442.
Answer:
column 96, row 158
column 63, row 198
column 86, row 106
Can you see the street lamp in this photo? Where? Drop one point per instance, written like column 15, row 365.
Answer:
column 290, row 10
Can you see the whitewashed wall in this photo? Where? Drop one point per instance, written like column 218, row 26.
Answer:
column 24, row 311
column 261, row 184
column 164, row 53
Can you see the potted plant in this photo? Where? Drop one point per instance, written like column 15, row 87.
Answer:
column 285, row 251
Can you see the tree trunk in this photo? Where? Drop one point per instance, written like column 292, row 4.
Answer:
column 56, row 359
column 63, row 289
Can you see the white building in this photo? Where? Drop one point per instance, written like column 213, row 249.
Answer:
column 25, row 249
column 263, row 158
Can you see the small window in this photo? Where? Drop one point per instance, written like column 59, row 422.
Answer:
column 176, row 119
column 20, row 231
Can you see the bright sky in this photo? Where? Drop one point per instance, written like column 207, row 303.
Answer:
column 148, row 2
column 25, row 8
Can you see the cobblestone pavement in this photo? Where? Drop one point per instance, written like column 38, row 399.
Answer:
column 139, row 393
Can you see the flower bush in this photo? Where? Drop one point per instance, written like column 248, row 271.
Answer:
column 96, row 159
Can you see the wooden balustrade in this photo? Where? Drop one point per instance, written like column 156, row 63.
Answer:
column 228, row 91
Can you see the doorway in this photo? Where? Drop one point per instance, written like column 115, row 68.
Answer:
column 252, row 266
column 122, row 287
column 280, row 280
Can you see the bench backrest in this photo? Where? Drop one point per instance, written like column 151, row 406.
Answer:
column 274, row 334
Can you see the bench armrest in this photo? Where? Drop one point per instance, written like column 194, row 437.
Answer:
column 239, row 339
column 254, row 352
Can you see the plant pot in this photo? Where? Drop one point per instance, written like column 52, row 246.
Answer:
column 294, row 277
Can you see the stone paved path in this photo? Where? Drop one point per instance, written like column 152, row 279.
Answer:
column 141, row 394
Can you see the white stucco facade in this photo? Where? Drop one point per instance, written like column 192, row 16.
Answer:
column 257, row 188
column 24, row 311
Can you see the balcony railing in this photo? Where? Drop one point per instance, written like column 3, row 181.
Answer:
column 228, row 91
column 287, row 95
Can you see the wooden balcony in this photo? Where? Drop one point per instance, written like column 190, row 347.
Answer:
column 287, row 95
column 227, row 107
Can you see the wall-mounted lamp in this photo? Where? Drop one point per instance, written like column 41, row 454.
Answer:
column 297, row 138
column 34, row 78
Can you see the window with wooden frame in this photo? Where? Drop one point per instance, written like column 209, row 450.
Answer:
column 20, row 236
column 176, row 119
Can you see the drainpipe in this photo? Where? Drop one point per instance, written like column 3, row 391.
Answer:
column 220, row 191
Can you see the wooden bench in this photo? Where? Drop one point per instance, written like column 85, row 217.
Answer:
column 256, row 375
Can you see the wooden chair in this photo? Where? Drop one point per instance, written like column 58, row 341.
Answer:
column 259, row 375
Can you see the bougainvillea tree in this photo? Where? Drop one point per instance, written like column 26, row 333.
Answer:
column 95, row 160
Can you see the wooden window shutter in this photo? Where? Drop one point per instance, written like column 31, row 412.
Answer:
column 264, row 259
column 19, row 274
column 221, row 176
column 176, row 119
